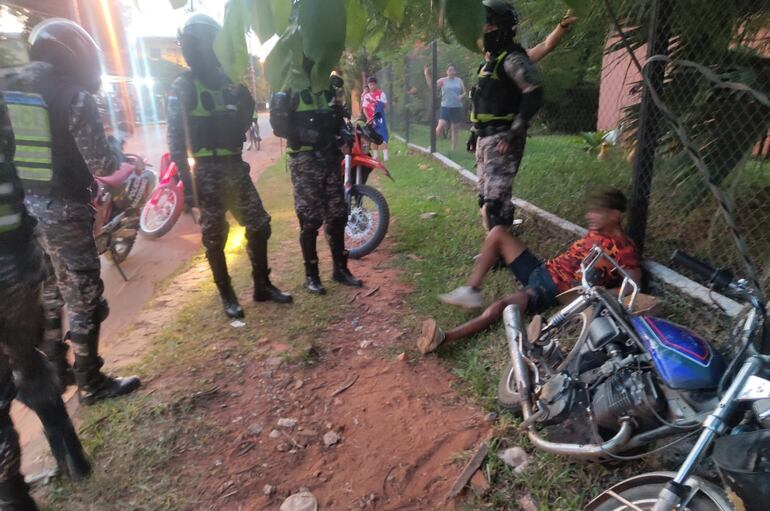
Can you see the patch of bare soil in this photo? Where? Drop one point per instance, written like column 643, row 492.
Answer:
column 362, row 428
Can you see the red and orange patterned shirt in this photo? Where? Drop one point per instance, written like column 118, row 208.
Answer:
column 565, row 268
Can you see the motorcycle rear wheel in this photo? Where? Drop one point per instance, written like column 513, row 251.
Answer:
column 122, row 250
column 645, row 496
column 162, row 210
column 367, row 223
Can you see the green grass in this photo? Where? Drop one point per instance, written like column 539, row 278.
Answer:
column 135, row 440
column 557, row 174
column 436, row 256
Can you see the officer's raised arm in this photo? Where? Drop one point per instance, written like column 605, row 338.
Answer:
column 88, row 131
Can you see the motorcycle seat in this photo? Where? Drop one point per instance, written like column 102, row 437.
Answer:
column 117, row 178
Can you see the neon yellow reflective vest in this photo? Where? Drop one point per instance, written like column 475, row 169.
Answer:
column 32, row 128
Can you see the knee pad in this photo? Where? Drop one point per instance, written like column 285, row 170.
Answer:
column 308, row 226
column 498, row 214
column 263, row 233
column 102, row 310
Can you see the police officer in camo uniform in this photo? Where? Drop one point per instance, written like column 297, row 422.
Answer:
column 508, row 94
column 208, row 117
column 65, row 72
column 22, row 367
column 312, row 123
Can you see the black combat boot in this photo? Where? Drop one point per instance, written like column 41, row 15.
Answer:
column 335, row 234
column 218, row 265
column 64, row 442
column 93, row 384
column 14, row 495
column 56, row 353
column 313, row 279
column 264, row 290
column 40, row 393
column 307, row 242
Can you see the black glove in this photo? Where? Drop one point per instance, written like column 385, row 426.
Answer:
column 471, row 145
column 518, row 130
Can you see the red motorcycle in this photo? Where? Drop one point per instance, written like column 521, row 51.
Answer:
column 118, row 199
column 166, row 203
column 368, row 212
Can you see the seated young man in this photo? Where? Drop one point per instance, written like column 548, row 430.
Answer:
column 542, row 281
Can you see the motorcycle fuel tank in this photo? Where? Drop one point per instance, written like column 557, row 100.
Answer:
column 683, row 360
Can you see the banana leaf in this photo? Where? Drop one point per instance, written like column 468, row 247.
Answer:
column 466, row 19
column 323, row 28
column 356, row 25
column 281, row 10
column 261, row 13
column 230, row 45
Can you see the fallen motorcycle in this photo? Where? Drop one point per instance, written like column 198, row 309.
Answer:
column 166, row 203
column 118, row 199
column 738, row 427
column 368, row 212
column 602, row 377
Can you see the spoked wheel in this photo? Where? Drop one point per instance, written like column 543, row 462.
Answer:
column 556, row 351
column 644, row 497
column 162, row 211
column 367, row 220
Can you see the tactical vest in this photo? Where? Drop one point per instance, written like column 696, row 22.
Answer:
column 496, row 98
column 314, row 123
column 214, row 122
column 48, row 158
column 15, row 224
column 32, row 128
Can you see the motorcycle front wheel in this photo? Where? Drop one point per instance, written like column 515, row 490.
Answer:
column 162, row 210
column 368, row 218
column 644, row 497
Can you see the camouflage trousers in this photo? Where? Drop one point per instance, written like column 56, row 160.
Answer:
column 496, row 174
column 22, row 366
column 225, row 185
column 319, row 193
column 66, row 235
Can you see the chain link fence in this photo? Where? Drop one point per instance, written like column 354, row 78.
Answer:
column 704, row 131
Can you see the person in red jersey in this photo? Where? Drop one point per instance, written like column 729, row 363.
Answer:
column 542, row 281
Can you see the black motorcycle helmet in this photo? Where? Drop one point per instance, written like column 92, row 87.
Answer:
column 502, row 15
column 196, row 37
column 69, row 49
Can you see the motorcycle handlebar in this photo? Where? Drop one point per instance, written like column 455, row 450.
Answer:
column 720, row 279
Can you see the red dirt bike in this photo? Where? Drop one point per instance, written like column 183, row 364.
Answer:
column 368, row 212
column 118, row 199
column 166, row 202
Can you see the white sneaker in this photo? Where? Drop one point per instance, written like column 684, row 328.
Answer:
column 464, row 296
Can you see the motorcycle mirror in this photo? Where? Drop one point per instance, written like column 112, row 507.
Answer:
column 337, row 81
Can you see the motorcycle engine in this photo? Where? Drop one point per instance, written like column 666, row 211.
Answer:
column 628, row 392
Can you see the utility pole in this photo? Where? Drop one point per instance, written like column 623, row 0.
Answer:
column 433, row 95
column 649, row 124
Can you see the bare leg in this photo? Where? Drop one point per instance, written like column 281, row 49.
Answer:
column 499, row 242
column 440, row 127
column 491, row 315
column 453, row 131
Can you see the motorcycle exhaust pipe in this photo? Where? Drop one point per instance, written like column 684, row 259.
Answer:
column 516, row 336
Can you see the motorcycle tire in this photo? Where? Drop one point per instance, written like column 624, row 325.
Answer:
column 359, row 220
column 152, row 228
column 644, row 497
column 119, row 256
column 506, row 396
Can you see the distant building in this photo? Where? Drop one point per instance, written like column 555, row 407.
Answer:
column 160, row 48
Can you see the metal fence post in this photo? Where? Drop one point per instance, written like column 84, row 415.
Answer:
column 649, row 125
column 433, row 95
column 407, row 116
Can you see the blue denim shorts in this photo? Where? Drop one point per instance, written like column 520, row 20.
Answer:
column 531, row 272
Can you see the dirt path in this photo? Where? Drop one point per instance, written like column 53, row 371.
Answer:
column 149, row 264
column 400, row 424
